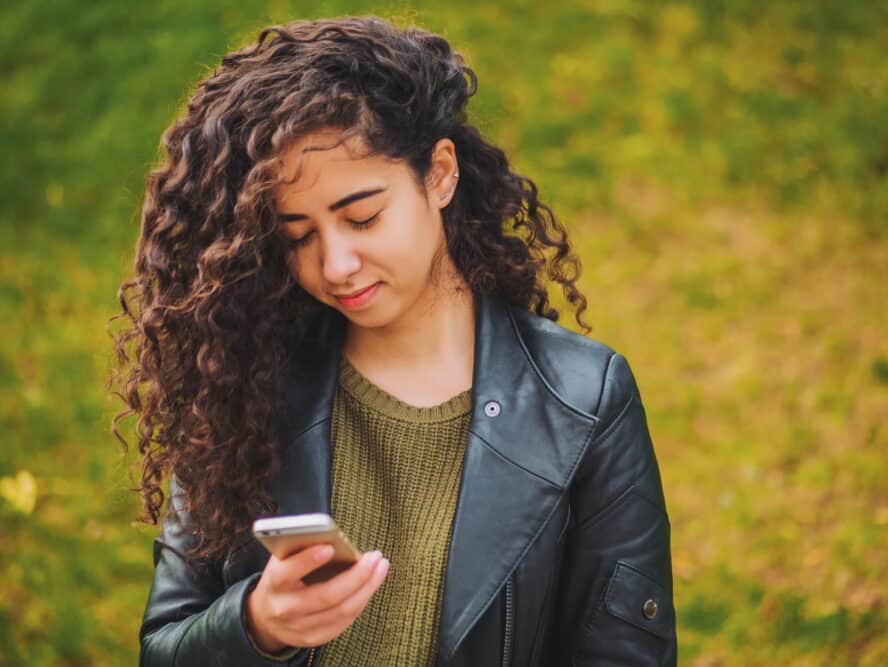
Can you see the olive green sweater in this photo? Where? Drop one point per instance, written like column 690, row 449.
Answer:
column 395, row 480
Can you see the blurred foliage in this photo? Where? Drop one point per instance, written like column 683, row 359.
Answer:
column 722, row 167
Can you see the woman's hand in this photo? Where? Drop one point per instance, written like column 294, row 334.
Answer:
column 283, row 611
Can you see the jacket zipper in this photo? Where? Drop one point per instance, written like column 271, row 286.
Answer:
column 311, row 656
column 507, row 638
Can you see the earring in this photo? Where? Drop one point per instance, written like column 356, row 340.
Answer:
column 447, row 194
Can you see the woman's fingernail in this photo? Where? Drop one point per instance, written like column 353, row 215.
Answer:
column 324, row 552
column 383, row 565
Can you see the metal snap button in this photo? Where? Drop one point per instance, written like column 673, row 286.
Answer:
column 492, row 408
column 650, row 609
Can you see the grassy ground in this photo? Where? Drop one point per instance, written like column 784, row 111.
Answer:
column 722, row 167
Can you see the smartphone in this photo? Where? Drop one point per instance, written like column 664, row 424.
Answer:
column 285, row 535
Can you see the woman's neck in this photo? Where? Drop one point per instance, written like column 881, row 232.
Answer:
column 425, row 358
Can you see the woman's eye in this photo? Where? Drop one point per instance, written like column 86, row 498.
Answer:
column 299, row 242
column 294, row 243
column 363, row 224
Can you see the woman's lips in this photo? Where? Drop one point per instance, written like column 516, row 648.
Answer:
column 359, row 298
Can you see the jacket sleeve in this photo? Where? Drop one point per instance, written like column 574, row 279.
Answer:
column 191, row 618
column 616, row 592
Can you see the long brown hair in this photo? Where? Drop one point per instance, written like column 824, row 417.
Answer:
column 212, row 309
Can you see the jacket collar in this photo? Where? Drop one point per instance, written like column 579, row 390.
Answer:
column 524, row 443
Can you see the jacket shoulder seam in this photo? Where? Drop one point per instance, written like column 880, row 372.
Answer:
column 604, row 377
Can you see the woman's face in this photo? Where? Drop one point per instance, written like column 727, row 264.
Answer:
column 363, row 238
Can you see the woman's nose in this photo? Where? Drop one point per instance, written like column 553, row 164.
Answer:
column 339, row 259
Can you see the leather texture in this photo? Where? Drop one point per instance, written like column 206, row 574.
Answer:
column 560, row 540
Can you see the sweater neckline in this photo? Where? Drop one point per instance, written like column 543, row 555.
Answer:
column 369, row 394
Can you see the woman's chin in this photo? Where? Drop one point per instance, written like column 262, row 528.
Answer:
column 370, row 317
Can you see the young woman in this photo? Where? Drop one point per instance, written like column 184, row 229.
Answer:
column 339, row 306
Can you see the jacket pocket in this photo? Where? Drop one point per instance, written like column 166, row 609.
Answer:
column 634, row 597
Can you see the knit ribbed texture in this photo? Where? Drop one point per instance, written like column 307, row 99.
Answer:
column 395, row 480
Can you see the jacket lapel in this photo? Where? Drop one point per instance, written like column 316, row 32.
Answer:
column 523, row 446
column 303, row 484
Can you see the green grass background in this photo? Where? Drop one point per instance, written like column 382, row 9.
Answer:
column 722, row 168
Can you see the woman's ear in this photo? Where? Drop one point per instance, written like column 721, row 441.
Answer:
column 443, row 173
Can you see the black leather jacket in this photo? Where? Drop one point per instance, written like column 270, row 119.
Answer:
column 560, row 543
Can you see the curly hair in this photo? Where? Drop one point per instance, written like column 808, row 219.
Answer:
column 212, row 309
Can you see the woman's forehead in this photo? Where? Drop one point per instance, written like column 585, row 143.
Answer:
column 314, row 170
column 315, row 150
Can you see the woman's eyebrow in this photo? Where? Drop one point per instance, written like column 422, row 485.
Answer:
column 345, row 201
